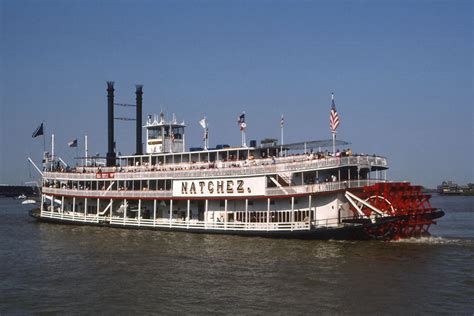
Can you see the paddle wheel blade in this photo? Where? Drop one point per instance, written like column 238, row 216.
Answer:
column 396, row 210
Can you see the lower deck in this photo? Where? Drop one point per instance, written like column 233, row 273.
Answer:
column 263, row 214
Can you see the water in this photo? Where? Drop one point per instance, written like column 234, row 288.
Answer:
column 74, row 269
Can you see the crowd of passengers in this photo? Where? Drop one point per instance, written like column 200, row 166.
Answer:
column 231, row 162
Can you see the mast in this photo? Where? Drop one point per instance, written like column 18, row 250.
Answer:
column 139, row 93
column 110, row 124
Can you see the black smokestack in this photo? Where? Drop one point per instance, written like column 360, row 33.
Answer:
column 110, row 124
column 139, row 93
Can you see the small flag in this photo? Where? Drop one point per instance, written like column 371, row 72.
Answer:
column 241, row 121
column 282, row 121
column 333, row 117
column 206, row 134
column 203, row 123
column 38, row 131
column 72, row 143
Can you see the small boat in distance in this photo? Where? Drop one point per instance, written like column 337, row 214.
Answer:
column 29, row 201
column 271, row 189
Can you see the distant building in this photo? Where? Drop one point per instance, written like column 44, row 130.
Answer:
column 448, row 187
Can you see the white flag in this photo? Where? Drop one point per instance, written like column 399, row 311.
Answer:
column 203, row 123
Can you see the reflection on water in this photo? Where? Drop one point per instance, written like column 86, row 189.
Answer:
column 60, row 268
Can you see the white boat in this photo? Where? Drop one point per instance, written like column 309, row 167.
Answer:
column 29, row 201
column 270, row 189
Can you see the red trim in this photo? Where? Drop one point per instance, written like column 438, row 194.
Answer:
column 103, row 175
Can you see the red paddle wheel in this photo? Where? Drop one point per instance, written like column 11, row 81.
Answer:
column 396, row 210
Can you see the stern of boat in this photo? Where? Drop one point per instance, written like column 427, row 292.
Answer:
column 392, row 211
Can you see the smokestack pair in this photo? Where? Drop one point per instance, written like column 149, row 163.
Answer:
column 111, row 157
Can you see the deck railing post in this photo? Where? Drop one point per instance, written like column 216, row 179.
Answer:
column 42, row 204
column 268, row 213
column 311, row 215
column 187, row 213
column 73, row 207
column 225, row 214
column 139, row 211
column 246, row 213
column 292, row 212
column 124, row 210
column 154, row 213
column 85, row 209
column 62, row 206
column 206, row 210
column 171, row 211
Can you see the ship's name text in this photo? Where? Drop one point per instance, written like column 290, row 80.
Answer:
column 229, row 186
column 250, row 186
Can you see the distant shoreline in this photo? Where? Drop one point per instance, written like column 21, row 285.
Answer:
column 464, row 193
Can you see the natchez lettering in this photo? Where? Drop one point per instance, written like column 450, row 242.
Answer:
column 214, row 187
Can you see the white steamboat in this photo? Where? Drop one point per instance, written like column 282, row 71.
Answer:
column 274, row 190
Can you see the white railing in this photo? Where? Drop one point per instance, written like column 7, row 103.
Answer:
column 103, row 193
column 185, row 172
column 290, row 190
column 72, row 216
column 173, row 223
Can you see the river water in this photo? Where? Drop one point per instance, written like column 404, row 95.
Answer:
column 73, row 269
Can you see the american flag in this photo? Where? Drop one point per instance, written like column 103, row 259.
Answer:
column 282, row 121
column 333, row 117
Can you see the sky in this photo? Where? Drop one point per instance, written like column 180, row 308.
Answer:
column 401, row 71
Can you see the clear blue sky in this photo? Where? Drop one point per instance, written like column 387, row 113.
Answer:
column 402, row 73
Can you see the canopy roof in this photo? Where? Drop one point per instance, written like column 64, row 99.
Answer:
column 311, row 144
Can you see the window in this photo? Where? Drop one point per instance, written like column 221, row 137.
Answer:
column 154, row 133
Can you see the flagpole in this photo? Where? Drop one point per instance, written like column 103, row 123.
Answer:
column 243, row 126
column 334, row 123
column 85, row 148
column 44, row 140
column 52, row 151
column 282, row 125
column 334, row 144
column 170, row 135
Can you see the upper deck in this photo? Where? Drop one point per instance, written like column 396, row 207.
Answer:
column 238, row 168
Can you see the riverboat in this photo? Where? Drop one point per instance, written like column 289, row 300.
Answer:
column 298, row 190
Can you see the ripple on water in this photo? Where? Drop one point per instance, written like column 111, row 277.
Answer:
column 433, row 240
